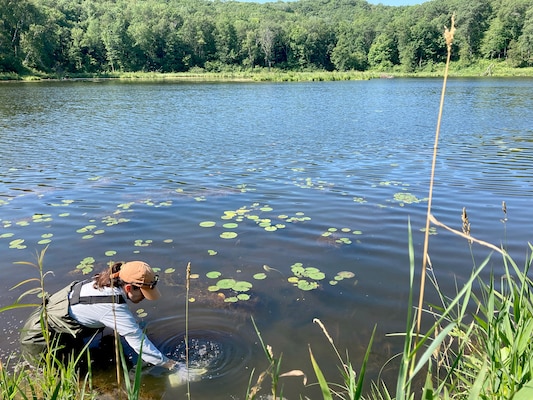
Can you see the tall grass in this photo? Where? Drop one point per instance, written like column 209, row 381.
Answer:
column 52, row 377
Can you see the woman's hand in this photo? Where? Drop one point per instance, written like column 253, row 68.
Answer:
column 170, row 365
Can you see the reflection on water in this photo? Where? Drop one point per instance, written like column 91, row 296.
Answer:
column 233, row 177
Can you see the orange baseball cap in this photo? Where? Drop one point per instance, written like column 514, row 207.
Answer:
column 140, row 274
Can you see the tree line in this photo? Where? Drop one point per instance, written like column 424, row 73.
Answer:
column 96, row 36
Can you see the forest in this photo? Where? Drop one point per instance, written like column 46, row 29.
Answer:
column 101, row 36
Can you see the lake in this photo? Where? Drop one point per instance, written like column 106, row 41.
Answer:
column 290, row 201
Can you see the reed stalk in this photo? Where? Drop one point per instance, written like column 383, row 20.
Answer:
column 187, row 288
column 448, row 34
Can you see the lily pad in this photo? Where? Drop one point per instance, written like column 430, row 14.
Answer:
column 212, row 252
column 316, row 275
column 232, row 299
column 169, row 270
column 346, row 274
column 243, row 296
column 17, row 244
column 242, row 286
column 260, row 276
column 207, row 224
column 110, row 253
column 306, row 285
column 213, row 274
column 228, row 235
column 230, row 225
column 6, row 235
column 226, row 283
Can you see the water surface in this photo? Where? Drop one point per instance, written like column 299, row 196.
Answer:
column 325, row 174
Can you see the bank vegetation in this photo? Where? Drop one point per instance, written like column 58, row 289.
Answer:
column 320, row 39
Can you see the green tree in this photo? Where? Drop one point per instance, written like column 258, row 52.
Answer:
column 226, row 41
column 197, row 35
column 311, row 42
column 525, row 42
column 350, row 51
column 16, row 17
column 383, row 53
column 113, row 28
column 472, row 21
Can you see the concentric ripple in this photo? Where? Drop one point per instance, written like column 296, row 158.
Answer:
column 219, row 341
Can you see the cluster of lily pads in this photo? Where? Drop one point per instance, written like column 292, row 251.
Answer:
column 238, row 288
column 304, row 278
column 335, row 233
column 308, row 278
column 253, row 213
column 308, row 183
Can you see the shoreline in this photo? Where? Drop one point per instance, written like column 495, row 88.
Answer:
column 478, row 70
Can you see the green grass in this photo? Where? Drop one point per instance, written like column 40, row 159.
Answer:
column 478, row 68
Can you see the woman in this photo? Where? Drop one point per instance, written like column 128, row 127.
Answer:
column 83, row 309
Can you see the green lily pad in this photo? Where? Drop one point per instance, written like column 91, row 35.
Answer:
column 228, row 235
column 44, row 241
column 306, row 285
column 207, row 224
column 293, row 279
column 169, row 270
column 346, row 274
column 230, row 225
column 298, row 270
column 243, row 296
column 260, row 276
column 168, row 241
column 231, row 299
column 226, row 283
column 242, row 286
column 6, row 235
column 212, row 252
column 17, row 244
column 110, row 253
column 213, row 274
column 213, row 288
column 316, row 275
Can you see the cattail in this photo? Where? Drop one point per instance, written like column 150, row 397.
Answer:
column 466, row 223
column 449, row 33
column 504, row 209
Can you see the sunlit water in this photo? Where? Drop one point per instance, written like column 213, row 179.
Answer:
column 327, row 175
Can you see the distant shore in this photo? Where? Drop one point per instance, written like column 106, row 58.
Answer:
column 498, row 69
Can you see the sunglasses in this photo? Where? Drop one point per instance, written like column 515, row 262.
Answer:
column 149, row 285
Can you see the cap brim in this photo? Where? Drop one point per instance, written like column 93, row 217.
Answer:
column 151, row 294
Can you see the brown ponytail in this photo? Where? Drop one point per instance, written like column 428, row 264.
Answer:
column 108, row 277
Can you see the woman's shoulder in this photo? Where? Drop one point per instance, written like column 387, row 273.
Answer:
column 89, row 289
